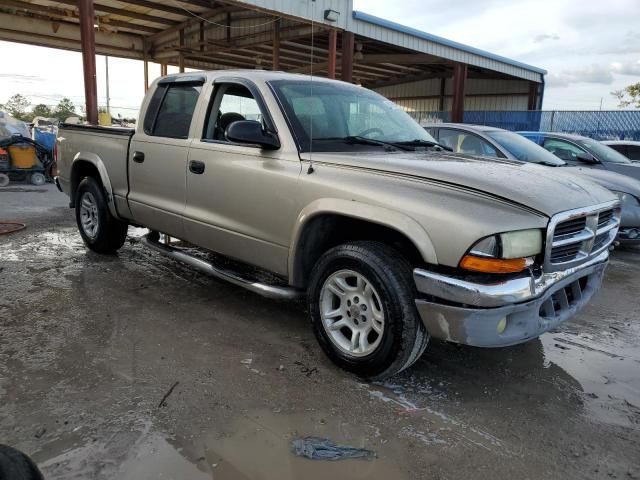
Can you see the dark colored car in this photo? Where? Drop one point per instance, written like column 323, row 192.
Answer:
column 628, row 148
column 585, row 152
column 498, row 143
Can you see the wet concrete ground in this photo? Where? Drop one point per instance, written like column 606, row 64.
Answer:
column 90, row 345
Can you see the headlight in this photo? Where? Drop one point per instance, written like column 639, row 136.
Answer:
column 627, row 199
column 508, row 252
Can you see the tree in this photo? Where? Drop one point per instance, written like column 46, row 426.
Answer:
column 64, row 109
column 628, row 96
column 16, row 106
column 42, row 110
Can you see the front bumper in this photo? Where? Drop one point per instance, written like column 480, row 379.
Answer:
column 475, row 314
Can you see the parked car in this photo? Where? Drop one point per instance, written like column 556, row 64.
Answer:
column 335, row 194
column 586, row 152
column 499, row 143
column 628, row 148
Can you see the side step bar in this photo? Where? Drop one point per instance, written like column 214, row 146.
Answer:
column 269, row 291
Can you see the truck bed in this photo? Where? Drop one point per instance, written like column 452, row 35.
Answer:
column 106, row 147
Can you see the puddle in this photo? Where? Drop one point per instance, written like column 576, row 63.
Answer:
column 258, row 446
column 255, row 446
column 607, row 370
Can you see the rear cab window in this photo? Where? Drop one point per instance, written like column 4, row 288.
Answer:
column 171, row 109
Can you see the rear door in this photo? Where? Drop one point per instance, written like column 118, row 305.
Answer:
column 158, row 156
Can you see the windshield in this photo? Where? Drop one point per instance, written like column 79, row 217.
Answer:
column 523, row 149
column 336, row 115
column 601, row 151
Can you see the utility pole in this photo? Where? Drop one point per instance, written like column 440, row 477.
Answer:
column 106, row 64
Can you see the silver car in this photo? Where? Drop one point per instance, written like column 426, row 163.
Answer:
column 628, row 148
column 499, row 143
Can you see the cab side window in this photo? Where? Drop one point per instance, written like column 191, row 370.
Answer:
column 464, row 142
column 563, row 150
column 171, row 110
column 231, row 103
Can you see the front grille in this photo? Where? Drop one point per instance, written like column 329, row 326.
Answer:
column 571, row 227
column 576, row 236
column 564, row 298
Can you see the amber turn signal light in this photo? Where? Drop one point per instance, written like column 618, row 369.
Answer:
column 493, row 265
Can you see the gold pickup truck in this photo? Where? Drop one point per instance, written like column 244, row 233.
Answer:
column 318, row 189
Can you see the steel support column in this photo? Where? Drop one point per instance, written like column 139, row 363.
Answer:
column 88, row 40
column 181, row 56
column 459, row 80
column 533, row 96
column 348, row 44
column 332, row 53
column 276, row 46
column 145, row 64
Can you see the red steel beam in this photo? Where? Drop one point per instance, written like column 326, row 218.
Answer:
column 459, row 80
column 332, row 53
column 533, row 96
column 348, row 44
column 88, row 41
column 276, row 46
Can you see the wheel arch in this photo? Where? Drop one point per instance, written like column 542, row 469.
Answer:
column 87, row 164
column 317, row 230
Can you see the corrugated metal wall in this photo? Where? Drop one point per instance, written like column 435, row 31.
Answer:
column 481, row 94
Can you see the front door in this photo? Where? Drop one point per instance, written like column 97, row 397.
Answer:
column 240, row 198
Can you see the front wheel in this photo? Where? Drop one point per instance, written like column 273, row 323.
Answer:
column 361, row 301
column 100, row 230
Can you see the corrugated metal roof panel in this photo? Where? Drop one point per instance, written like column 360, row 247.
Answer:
column 407, row 37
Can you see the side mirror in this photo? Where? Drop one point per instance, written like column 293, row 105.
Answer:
column 251, row 132
column 586, row 158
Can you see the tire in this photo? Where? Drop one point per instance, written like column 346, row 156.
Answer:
column 100, row 231
column 38, row 179
column 15, row 465
column 390, row 345
column 4, row 180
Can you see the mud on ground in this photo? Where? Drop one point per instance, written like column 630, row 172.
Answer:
column 90, row 345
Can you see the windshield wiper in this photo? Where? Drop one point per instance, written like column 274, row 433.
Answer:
column 355, row 139
column 423, row 143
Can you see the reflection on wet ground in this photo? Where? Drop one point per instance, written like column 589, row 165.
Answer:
column 90, row 345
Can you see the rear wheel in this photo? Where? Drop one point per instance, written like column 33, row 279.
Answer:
column 100, row 230
column 361, row 302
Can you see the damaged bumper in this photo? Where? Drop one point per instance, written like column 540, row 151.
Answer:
column 508, row 312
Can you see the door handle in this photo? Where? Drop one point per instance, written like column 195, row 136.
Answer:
column 196, row 167
column 138, row 157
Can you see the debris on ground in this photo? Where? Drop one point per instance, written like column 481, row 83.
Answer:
column 308, row 371
column 166, row 395
column 315, row 448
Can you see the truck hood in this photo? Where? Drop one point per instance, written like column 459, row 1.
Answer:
column 609, row 180
column 546, row 190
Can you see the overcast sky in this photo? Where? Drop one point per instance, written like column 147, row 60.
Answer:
column 589, row 48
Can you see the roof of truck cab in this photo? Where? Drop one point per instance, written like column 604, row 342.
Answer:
column 263, row 75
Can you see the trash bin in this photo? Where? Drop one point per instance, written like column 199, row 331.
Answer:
column 23, row 156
